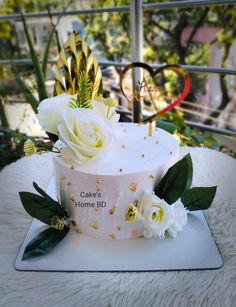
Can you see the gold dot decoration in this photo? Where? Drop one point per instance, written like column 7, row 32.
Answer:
column 112, row 210
column 72, row 199
column 99, row 181
column 94, row 224
column 72, row 167
column 62, row 178
column 78, row 230
column 73, row 223
column 112, row 237
column 133, row 186
column 135, row 233
column 118, row 228
column 97, row 189
column 97, row 209
column 151, row 177
column 69, row 184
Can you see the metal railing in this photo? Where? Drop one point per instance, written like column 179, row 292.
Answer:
column 136, row 9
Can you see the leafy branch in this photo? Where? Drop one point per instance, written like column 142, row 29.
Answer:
column 84, row 93
column 177, row 184
column 50, row 212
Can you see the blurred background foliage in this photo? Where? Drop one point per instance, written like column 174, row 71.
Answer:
column 108, row 35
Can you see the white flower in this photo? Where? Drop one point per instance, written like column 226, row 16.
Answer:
column 50, row 111
column 105, row 110
column 85, row 134
column 156, row 215
column 180, row 218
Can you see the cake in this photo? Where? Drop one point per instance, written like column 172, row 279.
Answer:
column 97, row 195
column 113, row 180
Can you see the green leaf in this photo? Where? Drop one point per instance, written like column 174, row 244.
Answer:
column 177, row 179
column 37, row 207
column 167, row 126
column 52, row 204
column 83, row 93
column 29, row 97
column 43, row 207
column 198, row 198
column 38, row 70
column 44, row 242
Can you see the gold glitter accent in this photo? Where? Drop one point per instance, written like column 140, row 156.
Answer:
column 145, row 138
column 99, row 181
column 112, row 237
column 72, row 167
column 151, row 177
column 120, row 170
column 150, row 129
column 134, row 233
column 97, row 189
column 133, row 186
column 69, row 183
column 123, row 146
column 131, row 213
column 73, row 223
column 78, row 230
column 142, row 155
column 118, row 228
column 97, row 209
column 112, row 210
column 62, row 178
column 94, row 224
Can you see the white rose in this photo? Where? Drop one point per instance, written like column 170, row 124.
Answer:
column 180, row 218
column 50, row 111
column 156, row 215
column 105, row 110
column 85, row 134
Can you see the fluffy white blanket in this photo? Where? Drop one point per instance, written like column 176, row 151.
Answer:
column 184, row 288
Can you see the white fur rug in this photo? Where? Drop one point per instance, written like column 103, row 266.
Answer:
column 186, row 288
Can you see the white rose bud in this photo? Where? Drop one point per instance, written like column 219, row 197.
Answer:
column 180, row 218
column 156, row 215
column 50, row 111
column 85, row 134
column 104, row 107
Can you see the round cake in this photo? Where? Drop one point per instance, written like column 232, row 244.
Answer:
column 97, row 195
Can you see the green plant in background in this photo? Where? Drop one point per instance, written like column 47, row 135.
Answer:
column 174, row 123
column 12, row 145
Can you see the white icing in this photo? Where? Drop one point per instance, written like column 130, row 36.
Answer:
column 140, row 152
column 115, row 186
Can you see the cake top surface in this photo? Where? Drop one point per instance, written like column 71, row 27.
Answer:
column 132, row 151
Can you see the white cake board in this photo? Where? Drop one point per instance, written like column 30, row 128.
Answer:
column 192, row 249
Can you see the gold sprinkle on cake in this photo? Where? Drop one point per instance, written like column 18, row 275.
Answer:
column 112, row 237
column 133, row 186
column 134, row 233
column 94, row 224
column 112, row 210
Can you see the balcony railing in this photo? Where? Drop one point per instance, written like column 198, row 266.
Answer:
column 136, row 9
